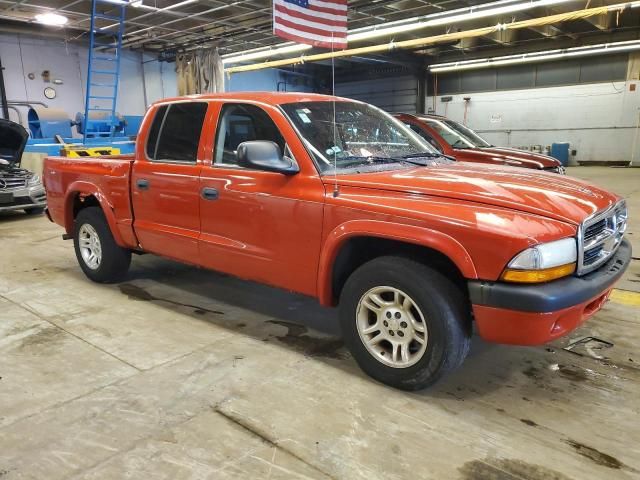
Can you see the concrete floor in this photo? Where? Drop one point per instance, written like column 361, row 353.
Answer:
column 180, row 373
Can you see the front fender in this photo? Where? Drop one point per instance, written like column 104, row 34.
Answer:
column 87, row 188
column 433, row 239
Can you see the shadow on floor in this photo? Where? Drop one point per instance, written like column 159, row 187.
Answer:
column 310, row 329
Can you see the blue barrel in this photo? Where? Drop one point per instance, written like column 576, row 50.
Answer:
column 48, row 122
column 561, row 152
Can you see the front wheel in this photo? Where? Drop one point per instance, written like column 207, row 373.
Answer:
column 405, row 323
column 99, row 256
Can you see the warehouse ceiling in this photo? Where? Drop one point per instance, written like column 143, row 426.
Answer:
column 161, row 25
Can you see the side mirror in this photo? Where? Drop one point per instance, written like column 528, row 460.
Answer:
column 265, row 155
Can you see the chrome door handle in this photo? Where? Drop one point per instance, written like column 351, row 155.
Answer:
column 142, row 184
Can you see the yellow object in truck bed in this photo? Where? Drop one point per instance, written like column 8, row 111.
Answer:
column 84, row 151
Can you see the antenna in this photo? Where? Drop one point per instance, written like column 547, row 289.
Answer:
column 336, row 191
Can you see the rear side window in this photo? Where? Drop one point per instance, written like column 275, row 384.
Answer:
column 152, row 141
column 179, row 133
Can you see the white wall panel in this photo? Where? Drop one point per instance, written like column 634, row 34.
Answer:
column 599, row 119
column 22, row 55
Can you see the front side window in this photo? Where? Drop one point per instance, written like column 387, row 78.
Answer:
column 242, row 123
column 178, row 136
column 350, row 136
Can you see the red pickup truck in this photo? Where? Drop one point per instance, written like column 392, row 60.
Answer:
column 338, row 200
column 458, row 141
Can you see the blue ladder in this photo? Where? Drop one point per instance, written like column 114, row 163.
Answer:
column 103, row 75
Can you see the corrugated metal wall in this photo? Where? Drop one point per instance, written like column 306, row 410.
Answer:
column 609, row 68
column 398, row 94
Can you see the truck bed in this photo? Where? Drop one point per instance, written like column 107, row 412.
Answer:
column 106, row 178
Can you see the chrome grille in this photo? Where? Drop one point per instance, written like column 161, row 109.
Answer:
column 12, row 183
column 593, row 231
column 600, row 237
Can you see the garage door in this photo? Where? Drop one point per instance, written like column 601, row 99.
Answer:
column 397, row 94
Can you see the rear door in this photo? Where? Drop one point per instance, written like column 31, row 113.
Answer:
column 165, row 182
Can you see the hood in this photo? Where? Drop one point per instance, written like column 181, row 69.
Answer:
column 13, row 139
column 515, row 156
column 541, row 193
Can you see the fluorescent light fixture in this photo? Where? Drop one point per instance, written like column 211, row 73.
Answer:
column 536, row 56
column 400, row 26
column 265, row 52
column 51, row 19
column 450, row 16
column 139, row 4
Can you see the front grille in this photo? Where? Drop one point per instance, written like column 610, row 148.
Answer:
column 592, row 231
column 12, row 183
column 601, row 237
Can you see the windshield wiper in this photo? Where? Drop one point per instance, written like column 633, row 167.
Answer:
column 403, row 159
column 407, row 158
column 357, row 160
column 422, row 155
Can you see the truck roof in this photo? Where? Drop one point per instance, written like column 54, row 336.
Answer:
column 274, row 98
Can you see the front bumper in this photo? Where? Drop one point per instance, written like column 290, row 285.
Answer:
column 536, row 314
column 24, row 198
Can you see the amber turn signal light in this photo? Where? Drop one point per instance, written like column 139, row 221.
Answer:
column 538, row 276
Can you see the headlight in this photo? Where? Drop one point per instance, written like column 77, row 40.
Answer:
column 543, row 263
column 34, row 181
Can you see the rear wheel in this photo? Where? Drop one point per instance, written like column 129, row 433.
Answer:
column 99, row 256
column 405, row 323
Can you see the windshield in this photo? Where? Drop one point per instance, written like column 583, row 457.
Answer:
column 450, row 135
column 476, row 139
column 361, row 136
column 456, row 134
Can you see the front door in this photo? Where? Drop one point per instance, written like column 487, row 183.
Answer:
column 259, row 225
column 165, row 185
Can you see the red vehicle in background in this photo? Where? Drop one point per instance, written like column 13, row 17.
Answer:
column 465, row 145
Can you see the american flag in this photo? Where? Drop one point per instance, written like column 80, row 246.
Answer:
column 321, row 23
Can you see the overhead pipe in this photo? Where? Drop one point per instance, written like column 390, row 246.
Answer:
column 71, row 26
column 26, row 103
column 435, row 39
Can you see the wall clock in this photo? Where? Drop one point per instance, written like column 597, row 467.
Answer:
column 50, row 93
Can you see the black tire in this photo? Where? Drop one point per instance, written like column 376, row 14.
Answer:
column 445, row 310
column 115, row 260
column 34, row 211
